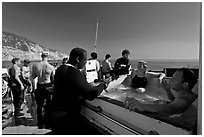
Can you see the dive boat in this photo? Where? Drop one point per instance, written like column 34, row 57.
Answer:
column 107, row 114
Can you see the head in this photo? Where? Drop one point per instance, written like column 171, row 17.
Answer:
column 78, row 57
column 16, row 61
column 183, row 79
column 142, row 66
column 125, row 53
column 26, row 62
column 45, row 55
column 94, row 55
column 64, row 60
column 108, row 56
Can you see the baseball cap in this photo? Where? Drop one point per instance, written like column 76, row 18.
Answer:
column 26, row 61
column 45, row 54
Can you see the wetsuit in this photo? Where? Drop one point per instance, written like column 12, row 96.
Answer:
column 106, row 69
column 121, row 66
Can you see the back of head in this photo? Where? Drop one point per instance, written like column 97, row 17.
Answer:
column 14, row 60
column 189, row 76
column 64, row 60
column 125, row 52
column 107, row 56
column 76, row 53
column 94, row 55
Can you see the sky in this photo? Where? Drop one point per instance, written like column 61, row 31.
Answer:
column 149, row 30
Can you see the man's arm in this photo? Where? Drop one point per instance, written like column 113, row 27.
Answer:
column 166, row 86
column 117, row 64
column 34, row 75
column 97, row 66
column 176, row 107
column 88, row 92
column 17, row 78
column 156, row 75
column 23, row 72
column 109, row 66
column 160, row 76
column 52, row 75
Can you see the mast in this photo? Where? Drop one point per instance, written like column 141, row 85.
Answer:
column 199, row 121
column 97, row 24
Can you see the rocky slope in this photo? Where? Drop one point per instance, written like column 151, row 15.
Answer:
column 23, row 48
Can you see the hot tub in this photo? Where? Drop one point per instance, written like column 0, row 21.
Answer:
column 108, row 113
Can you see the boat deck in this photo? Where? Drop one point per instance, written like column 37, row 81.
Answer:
column 26, row 124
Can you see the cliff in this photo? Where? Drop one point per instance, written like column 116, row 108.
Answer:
column 23, row 48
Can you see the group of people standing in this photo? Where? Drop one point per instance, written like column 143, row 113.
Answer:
column 106, row 70
column 22, row 80
column 63, row 90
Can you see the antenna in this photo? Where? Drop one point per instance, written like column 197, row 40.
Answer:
column 97, row 24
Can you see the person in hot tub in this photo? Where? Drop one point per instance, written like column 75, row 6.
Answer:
column 140, row 76
column 182, row 82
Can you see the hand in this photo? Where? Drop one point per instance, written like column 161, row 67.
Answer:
column 132, row 104
column 165, row 85
column 22, row 87
column 122, row 65
column 105, row 85
column 159, row 83
column 107, row 81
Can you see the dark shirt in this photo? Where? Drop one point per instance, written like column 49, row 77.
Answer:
column 119, row 68
column 139, row 82
column 69, row 85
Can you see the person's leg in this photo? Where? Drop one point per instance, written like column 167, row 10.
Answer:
column 16, row 100
column 47, row 107
column 39, row 101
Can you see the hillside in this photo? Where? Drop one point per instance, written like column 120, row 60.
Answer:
column 21, row 47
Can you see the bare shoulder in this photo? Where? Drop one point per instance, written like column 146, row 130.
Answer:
column 50, row 66
column 16, row 68
column 181, row 103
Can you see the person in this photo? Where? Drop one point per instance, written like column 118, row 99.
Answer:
column 92, row 68
column 107, row 70
column 26, row 75
column 16, row 85
column 122, row 65
column 182, row 82
column 140, row 76
column 64, row 61
column 69, row 86
column 45, row 74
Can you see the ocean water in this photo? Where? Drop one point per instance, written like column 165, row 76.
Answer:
column 155, row 64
